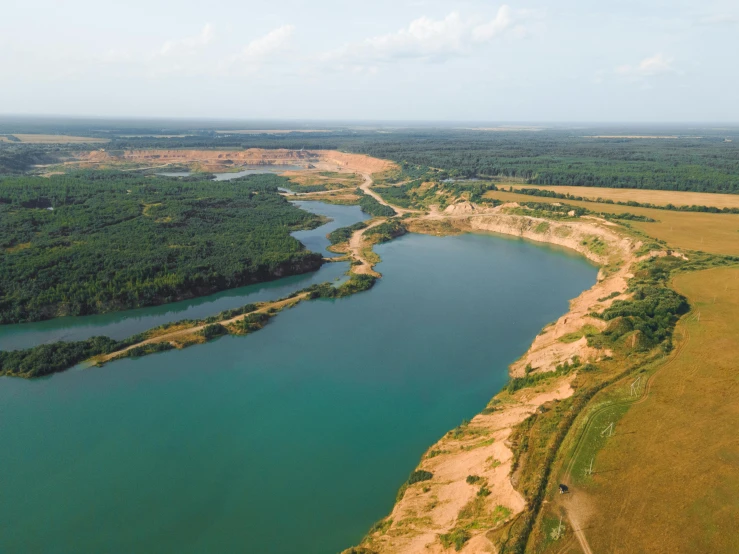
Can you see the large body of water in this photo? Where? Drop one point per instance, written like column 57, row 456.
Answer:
column 293, row 439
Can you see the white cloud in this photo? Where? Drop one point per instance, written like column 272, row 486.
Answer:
column 648, row 67
column 258, row 52
column 491, row 29
column 431, row 40
column 190, row 43
column 261, row 48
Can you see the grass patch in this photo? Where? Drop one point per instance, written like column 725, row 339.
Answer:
column 455, row 538
column 586, row 331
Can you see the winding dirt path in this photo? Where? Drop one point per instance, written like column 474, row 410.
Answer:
column 356, row 243
column 169, row 337
column 366, row 187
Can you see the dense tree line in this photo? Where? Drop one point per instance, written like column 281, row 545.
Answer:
column 343, row 234
column 387, row 231
column 547, row 157
column 564, row 158
column 93, row 242
column 50, row 358
column 17, row 158
column 369, row 205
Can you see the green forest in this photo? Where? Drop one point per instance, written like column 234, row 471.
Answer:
column 702, row 159
column 695, row 159
column 92, row 242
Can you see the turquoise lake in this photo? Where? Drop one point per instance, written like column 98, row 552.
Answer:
column 292, row 439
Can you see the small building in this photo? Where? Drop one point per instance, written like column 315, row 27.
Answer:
column 563, row 488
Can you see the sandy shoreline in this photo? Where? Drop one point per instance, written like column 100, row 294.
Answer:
column 435, row 507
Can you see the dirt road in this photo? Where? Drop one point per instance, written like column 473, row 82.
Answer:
column 169, row 337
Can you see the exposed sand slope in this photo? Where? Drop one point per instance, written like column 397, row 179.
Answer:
column 214, row 160
column 480, row 449
column 611, row 249
column 430, row 508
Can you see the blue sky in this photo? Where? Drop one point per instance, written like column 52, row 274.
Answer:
column 571, row 60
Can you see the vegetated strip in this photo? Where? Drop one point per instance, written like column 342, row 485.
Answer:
column 59, row 356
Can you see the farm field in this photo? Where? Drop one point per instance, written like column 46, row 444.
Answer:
column 668, row 480
column 657, row 197
column 714, row 233
column 55, row 139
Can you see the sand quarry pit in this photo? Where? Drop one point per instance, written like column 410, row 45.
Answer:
column 225, row 160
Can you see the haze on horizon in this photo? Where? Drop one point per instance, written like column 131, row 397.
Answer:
column 538, row 60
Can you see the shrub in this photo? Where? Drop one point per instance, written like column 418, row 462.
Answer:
column 455, row 538
column 213, row 331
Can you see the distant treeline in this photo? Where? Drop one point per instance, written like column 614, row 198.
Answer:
column 546, row 157
column 17, row 158
column 99, row 241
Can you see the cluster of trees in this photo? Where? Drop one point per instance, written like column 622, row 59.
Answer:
column 93, row 242
column 17, row 158
column 648, row 318
column 343, row 234
column 369, row 205
column 401, row 195
column 355, row 283
column 387, row 231
column 50, row 358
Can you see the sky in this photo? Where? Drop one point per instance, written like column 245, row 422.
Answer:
column 437, row 60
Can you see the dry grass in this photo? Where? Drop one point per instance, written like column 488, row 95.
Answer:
column 715, row 233
column 18, row 247
column 657, row 197
column 56, row 139
column 669, row 479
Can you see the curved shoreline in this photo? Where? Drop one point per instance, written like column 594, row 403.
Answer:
column 427, row 514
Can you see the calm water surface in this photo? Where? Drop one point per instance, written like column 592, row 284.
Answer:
column 250, row 170
column 293, row 439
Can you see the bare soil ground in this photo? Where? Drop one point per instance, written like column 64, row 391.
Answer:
column 430, row 508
